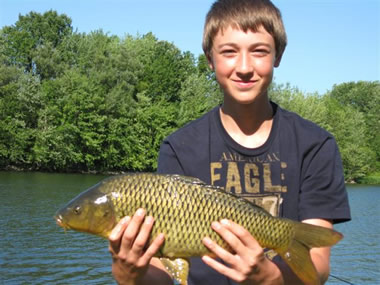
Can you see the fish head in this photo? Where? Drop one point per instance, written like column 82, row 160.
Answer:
column 91, row 211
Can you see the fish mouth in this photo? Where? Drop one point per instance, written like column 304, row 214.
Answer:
column 60, row 222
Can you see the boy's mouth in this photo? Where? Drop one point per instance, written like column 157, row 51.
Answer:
column 245, row 84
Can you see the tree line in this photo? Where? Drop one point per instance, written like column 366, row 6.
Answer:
column 73, row 102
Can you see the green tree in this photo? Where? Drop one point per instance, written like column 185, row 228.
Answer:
column 165, row 68
column 364, row 97
column 94, row 102
column 85, row 107
column 309, row 106
column 198, row 95
column 32, row 42
column 153, row 122
column 19, row 101
column 204, row 68
column 349, row 128
column 345, row 122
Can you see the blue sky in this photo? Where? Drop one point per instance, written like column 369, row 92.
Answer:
column 330, row 41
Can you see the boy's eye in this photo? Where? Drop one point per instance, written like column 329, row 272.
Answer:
column 260, row 52
column 228, row 52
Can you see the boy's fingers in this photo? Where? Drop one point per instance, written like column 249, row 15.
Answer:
column 130, row 234
column 241, row 233
column 117, row 232
column 219, row 267
column 143, row 236
column 220, row 252
column 228, row 236
column 153, row 248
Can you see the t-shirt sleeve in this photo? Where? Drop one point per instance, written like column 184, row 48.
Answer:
column 168, row 162
column 323, row 194
column 186, row 151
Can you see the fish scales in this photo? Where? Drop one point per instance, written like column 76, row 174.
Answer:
column 183, row 209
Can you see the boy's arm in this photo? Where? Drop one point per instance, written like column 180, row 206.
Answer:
column 248, row 265
column 321, row 256
column 132, row 262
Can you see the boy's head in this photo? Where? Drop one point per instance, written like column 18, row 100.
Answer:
column 245, row 15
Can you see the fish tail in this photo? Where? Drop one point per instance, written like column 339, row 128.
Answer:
column 297, row 255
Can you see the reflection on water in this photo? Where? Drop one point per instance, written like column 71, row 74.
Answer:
column 356, row 257
column 34, row 250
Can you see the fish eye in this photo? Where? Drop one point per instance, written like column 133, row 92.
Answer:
column 77, row 210
column 105, row 214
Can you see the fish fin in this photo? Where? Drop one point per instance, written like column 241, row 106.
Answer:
column 186, row 179
column 297, row 255
column 298, row 259
column 315, row 236
column 178, row 269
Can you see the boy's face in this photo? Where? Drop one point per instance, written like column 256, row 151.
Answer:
column 243, row 63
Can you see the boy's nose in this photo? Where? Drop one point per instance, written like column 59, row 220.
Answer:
column 244, row 64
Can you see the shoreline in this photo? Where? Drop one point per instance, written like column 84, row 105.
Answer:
column 94, row 172
column 371, row 179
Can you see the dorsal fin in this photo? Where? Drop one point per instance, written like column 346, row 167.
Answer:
column 186, row 179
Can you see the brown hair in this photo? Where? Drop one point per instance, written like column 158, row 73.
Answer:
column 246, row 15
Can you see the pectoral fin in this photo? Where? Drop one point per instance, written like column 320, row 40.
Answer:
column 177, row 268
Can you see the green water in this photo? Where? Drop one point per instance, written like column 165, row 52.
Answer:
column 34, row 250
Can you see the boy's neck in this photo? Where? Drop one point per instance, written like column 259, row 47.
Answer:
column 249, row 125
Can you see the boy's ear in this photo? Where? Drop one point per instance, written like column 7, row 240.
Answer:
column 210, row 63
column 277, row 61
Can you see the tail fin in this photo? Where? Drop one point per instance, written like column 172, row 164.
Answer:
column 297, row 255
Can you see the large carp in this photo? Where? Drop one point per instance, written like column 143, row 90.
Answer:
column 183, row 209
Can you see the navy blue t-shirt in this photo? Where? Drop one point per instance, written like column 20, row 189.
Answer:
column 299, row 164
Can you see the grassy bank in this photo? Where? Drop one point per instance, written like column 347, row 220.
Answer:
column 373, row 178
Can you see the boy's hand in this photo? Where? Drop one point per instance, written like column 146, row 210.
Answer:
column 247, row 262
column 127, row 245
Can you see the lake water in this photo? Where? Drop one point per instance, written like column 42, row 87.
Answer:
column 34, row 250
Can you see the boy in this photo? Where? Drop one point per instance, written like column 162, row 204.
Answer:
column 252, row 148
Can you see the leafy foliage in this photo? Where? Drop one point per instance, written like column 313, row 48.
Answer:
column 94, row 102
column 32, row 42
column 363, row 97
column 339, row 115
